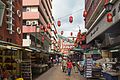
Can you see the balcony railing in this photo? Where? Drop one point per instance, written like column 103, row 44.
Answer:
column 94, row 12
column 31, row 15
column 29, row 29
column 30, row 2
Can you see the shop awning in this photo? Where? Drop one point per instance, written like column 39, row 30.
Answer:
column 34, row 49
column 2, row 8
column 77, row 49
column 94, row 51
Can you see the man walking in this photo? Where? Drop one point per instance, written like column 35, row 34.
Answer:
column 69, row 66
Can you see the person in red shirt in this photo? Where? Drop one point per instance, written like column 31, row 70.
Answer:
column 69, row 66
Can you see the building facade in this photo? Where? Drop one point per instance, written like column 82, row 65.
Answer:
column 11, row 27
column 11, row 37
column 99, row 29
column 65, row 45
column 54, row 40
column 104, row 35
column 37, row 16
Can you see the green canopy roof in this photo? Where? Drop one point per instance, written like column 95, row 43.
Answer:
column 94, row 51
column 77, row 49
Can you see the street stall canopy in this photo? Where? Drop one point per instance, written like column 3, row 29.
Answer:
column 77, row 49
column 94, row 51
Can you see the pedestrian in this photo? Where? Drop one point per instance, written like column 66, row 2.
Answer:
column 64, row 65
column 75, row 66
column 69, row 67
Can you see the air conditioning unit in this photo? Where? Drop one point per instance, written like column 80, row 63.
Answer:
column 28, row 23
column 28, row 9
column 34, row 23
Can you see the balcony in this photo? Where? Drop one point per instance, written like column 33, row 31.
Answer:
column 94, row 12
column 42, row 10
column 42, row 19
column 31, row 2
column 47, row 9
column 87, row 4
column 30, row 29
column 31, row 15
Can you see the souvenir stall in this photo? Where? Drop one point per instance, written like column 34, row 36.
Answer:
column 10, row 60
column 92, row 70
column 26, row 71
column 110, row 64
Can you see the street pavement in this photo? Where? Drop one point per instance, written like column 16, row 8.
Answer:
column 55, row 73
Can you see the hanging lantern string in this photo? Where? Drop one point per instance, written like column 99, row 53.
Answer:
column 55, row 20
column 70, row 13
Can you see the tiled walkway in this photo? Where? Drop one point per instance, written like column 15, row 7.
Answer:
column 55, row 73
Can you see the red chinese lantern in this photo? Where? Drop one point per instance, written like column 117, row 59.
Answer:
column 68, row 39
column 43, row 38
column 109, row 17
column 45, row 30
column 54, row 47
column 41, row 27
column 63, row 40
column 59, row 23
column 83, row 37
column 70, row 19
column 59, row 41
column 48, row 26
column 71, row 33
column 55, row 31
column 106, row 1
column 84, row 13
column 73, row 39
column 61, row 32
column 80, row 42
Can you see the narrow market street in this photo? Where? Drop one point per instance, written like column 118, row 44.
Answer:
column 55, row 73
column 59, row 39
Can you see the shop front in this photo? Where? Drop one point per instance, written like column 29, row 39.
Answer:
column 10, row 60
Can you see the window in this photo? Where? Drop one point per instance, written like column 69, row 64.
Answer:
column 119, row 8
column 28, row 9
column 114, row 12
column 9, row 40
column 24, row 22
column 24, row 35
column 24, row 9
column 34, row 9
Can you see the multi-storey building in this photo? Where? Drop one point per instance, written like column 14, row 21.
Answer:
column 10, row 36
column 65, row 45
column 10, row 30
column 54, row 40
column 100, row 31
column 37, row 14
